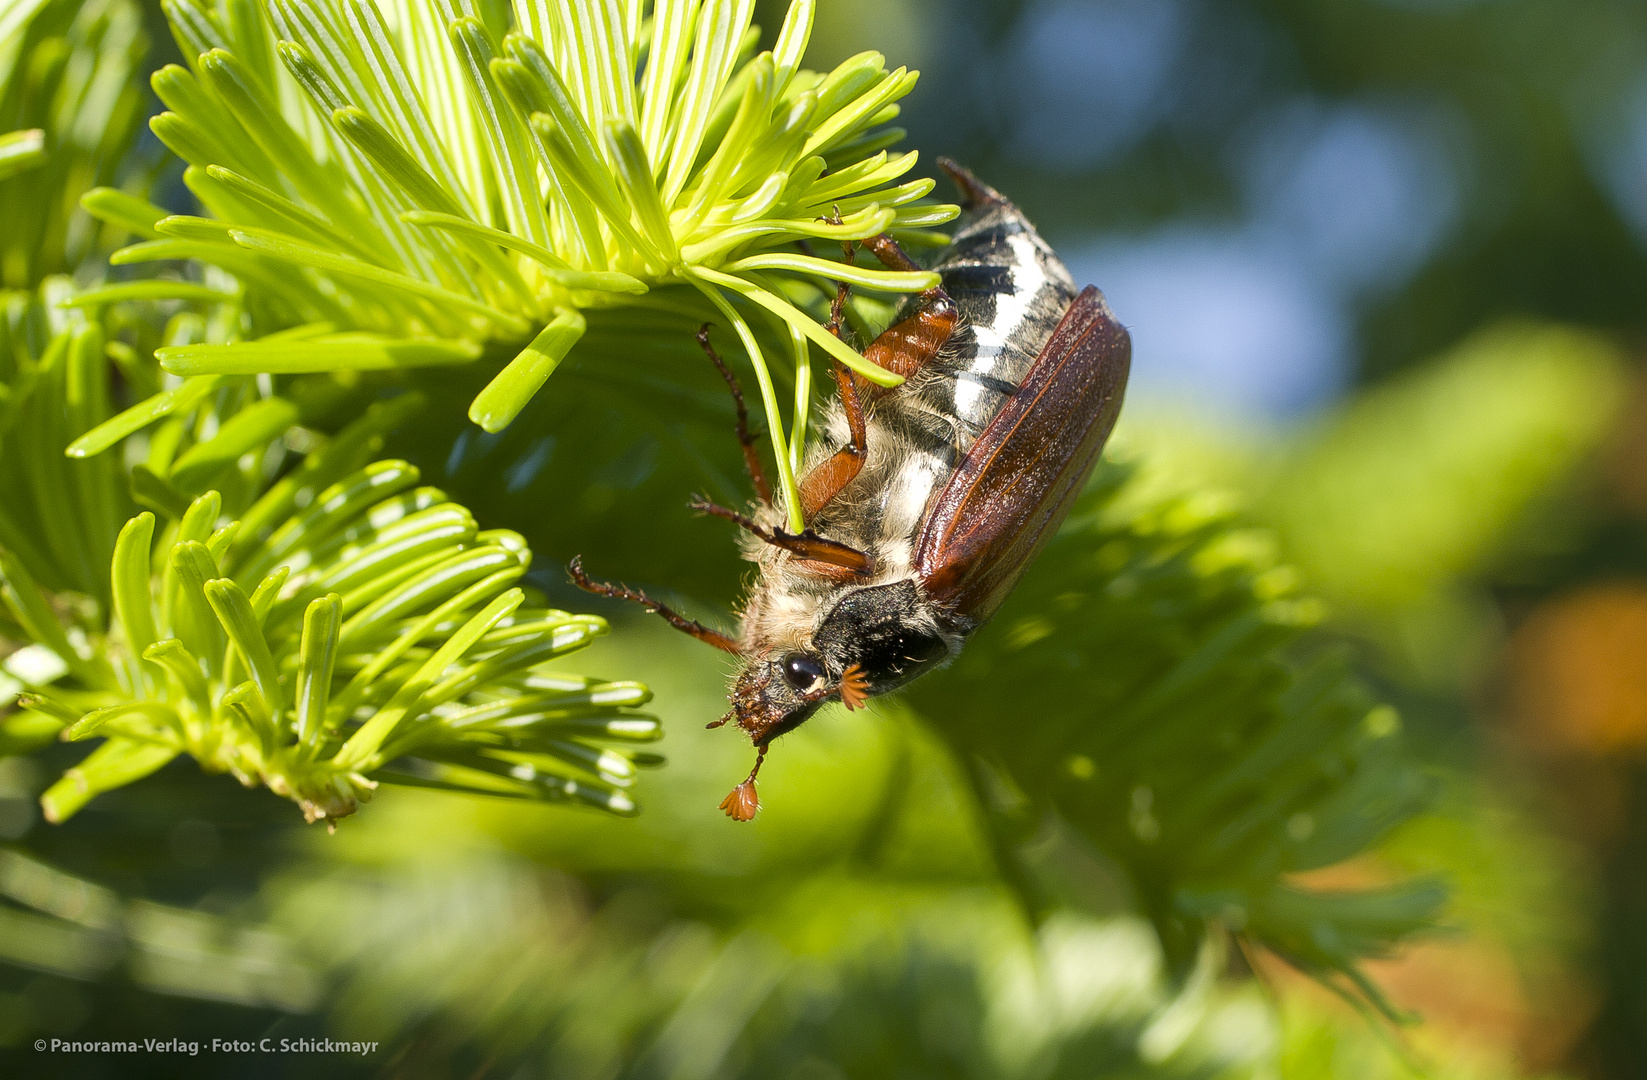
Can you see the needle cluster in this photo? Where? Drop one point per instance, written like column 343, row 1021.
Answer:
column 346, row 626
column 411, row 181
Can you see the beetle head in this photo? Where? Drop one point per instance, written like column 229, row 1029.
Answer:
column 778, row 691
column 871, row 642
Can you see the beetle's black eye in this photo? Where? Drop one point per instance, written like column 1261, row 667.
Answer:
column 802, row 670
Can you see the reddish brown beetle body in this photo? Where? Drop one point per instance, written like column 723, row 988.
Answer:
column 925, row 503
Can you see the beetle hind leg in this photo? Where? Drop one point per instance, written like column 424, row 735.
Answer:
column 907, row 346
column 903, row 349
column 843, row 289
column 891, row 253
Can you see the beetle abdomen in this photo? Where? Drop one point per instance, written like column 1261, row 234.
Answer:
column 1011, row 290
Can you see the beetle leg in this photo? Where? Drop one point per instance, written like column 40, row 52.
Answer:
column 906, row 347
column 679, row 622
column 751, row 460
column 843, row 289
column 903, row 350
column 837, row 310
column 807, row 545
column 742, row 803
column 823, row 483
column 892, row 256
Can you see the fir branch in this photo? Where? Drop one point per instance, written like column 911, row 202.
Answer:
column 1174, row 729
column 315, row 628
column 406, row 175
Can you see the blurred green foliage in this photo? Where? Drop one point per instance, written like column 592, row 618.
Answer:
column 1066, row 856
column 59, row 515
column 1534, row 105
column 1169, row 733
column 70, row 71
column 1411, row 485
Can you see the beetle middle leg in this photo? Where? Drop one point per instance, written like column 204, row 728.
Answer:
column 902, row 349
column 751, row 460
column 679, row 622
column 823, row 483
column 807, row 545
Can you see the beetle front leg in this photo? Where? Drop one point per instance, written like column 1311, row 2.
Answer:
column 679, row 622
column 823, row 483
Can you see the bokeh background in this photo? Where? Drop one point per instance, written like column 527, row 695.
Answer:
column 1384, row 264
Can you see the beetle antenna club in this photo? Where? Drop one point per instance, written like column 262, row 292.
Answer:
column 742, row 803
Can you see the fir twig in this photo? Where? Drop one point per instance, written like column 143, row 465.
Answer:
column 411, row 185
